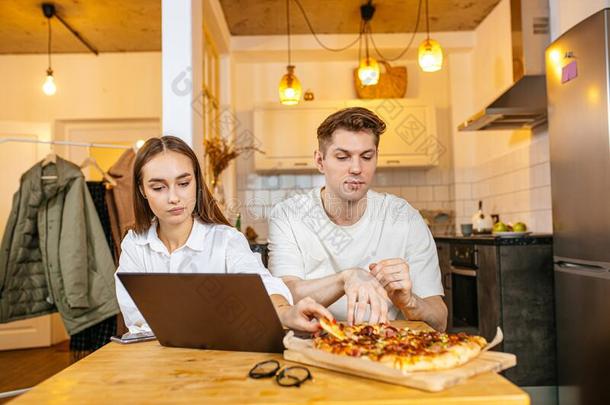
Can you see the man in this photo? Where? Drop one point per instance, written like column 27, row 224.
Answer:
column 365, row 255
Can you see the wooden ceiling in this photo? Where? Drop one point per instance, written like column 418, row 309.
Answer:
column 135, row 25
column 268, row 17
column 109, row 25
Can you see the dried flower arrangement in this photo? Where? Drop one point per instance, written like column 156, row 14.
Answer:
column 221, row 152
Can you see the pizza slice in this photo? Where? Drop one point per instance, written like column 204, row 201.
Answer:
column 333, row 328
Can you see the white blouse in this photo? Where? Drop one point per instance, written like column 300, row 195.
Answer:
column 210, row 248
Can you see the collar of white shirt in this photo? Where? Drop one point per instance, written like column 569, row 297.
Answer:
column 194, row 241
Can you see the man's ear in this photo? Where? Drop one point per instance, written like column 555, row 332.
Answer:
column 318, row 158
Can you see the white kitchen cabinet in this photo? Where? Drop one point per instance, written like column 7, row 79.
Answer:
column 288, row 134
column 410, row 138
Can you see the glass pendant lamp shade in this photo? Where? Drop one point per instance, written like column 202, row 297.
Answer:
column 290, row 87
column 430, row 56
column 368, row 72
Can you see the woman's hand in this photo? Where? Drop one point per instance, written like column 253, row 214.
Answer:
column 303, row 315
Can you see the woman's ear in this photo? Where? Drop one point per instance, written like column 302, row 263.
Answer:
column 142, row 192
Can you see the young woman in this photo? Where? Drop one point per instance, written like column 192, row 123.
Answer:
column 180, row 229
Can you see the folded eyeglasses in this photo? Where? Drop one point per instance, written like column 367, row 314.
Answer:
column 292, row 376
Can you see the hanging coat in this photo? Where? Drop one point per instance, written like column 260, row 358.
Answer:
column 119, row 199
column 54, row 256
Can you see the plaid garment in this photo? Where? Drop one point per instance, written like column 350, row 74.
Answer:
column 92, row 338
column 97, row 189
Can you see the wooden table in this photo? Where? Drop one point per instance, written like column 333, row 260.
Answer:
column 150, row 373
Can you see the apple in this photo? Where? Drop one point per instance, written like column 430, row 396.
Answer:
column 520, row 227
column 500, row 227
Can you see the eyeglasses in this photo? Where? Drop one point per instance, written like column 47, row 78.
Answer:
column 292, row 376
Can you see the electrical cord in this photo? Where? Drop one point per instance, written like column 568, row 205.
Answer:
column 328, row 48
column 49, row 42
column 401, row 54
column 365, row 29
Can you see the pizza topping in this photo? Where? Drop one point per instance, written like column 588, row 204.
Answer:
column 391, row 332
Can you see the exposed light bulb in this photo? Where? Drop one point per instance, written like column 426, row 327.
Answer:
column 49, row 87
column 289, row 88
column 430, row 56
column 140, row 143
column 289, row 92
column 368, row 72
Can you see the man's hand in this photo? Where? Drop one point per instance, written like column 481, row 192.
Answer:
column 393, row 276
column 303, row 315
column 361, row 288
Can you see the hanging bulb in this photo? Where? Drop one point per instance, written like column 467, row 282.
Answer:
column 290, row 87
column 368, row 72
column 430, row 56
column 49, row 87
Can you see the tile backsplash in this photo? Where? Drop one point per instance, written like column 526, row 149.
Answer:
column 516, row 185
column 258, row 193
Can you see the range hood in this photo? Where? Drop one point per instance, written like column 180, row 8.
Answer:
column 523, row 104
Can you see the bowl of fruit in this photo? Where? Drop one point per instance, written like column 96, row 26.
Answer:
column 509, row 230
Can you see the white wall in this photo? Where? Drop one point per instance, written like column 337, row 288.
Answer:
column 114, row 85
column 567, row 13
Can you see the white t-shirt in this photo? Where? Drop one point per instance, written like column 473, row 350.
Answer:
column 209, row 248
column 305, row 243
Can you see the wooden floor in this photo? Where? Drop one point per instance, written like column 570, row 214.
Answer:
column 25, row 368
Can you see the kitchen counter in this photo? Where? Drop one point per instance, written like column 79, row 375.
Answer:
column 150, row 373
column 532, row 239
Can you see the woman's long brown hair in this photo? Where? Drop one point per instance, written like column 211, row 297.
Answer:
column 206, row 208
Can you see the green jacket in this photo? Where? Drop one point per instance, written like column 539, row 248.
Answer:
column 54, row 256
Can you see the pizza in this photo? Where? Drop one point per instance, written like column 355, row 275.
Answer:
column 403, row 349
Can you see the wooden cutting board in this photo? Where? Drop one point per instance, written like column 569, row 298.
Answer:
column 302, row 351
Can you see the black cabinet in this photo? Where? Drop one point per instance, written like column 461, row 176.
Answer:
column 263, row 249
column 443, row 261
column 514, row 290
column 528, row 313
column 488, row 287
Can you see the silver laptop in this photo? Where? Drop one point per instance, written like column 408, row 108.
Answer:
column 207, row 311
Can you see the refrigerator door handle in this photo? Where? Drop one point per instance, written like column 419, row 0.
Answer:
column 592, row 267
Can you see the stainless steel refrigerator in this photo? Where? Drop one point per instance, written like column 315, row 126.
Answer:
column 578, row 81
